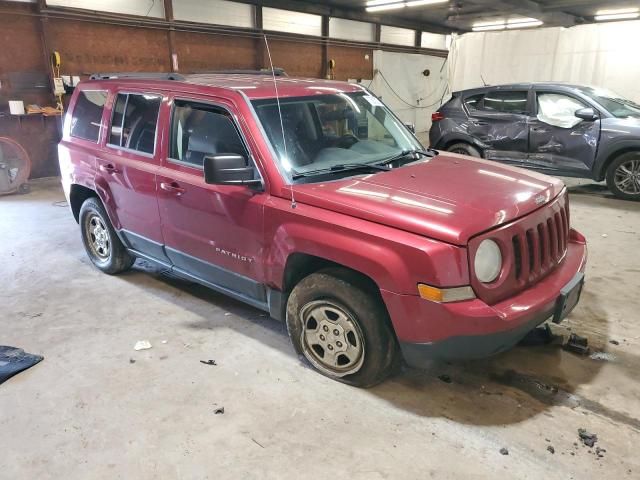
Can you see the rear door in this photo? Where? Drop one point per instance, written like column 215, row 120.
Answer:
column 498, row 118
column 211, row 232
column 127, row 169
column 560, row 142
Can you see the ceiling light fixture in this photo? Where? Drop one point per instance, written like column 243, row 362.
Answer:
column 524, row 23
column 380, row 5
column 620, row 14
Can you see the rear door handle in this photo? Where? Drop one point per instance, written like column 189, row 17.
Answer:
column 538, row 129
column 109, row 168
column 479, row 124
column 172, row 187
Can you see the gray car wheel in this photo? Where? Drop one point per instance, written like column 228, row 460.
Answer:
column 623, row 176
column 465, row 149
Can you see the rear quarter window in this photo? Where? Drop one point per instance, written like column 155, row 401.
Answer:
column 473, row 102
column 86, row 117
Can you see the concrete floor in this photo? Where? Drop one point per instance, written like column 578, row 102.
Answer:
column 95, row 408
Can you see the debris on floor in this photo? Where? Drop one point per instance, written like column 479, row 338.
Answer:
column 219, row 411
column 600, row 452
column 614, row 342
column 550, row 449
column 504, row 451
column 605, row 356
column 142, row 345
column 131, row 360
column 577, row 344
column 589, row 439
column 538, row 336
column 445, row 378
column 208, row 362
column 14, row 360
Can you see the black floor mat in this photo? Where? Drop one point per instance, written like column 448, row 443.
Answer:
column 14, row 360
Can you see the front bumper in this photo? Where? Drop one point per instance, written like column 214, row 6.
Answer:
column 473, row 329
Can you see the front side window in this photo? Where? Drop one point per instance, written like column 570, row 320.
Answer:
column 134, row 121
column 200, row 130
column 87, row 115
column 558, row 109
column 506, row 101
column 325, row 131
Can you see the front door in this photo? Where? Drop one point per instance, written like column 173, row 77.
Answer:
column 560, row 142
column 499, row 119
column 211, row 232
column 127, row 169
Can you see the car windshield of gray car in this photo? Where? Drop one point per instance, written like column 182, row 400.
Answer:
column 333, row 132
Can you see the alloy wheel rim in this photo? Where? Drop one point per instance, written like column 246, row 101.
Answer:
column 627, row 177
column 98, row 236
column 331, row 339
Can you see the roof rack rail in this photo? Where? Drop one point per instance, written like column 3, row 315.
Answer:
column 279, row 72
column 149, row 75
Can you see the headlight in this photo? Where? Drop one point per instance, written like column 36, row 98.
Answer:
column 488, row 261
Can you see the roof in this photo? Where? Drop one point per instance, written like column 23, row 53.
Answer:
column 524, row 86
column 253, row 86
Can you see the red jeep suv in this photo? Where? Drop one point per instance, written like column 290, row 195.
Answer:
column 310, row 200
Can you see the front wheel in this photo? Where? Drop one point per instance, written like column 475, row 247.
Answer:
column 341, row 329
column 100, row 240
column 623, row 176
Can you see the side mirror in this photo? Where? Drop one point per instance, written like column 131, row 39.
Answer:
column 411, row 127
column 228, row 169
column 588, row 114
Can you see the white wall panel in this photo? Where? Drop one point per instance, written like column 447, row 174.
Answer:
column 397, row 36
column 149, row 8
column 292, row 22
column 217, row 12
column 434, row 40
column 352, row 30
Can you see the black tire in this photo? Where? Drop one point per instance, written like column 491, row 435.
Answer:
column 331, row 290
column 110, row 255
column 615, row 172
column 464, row 149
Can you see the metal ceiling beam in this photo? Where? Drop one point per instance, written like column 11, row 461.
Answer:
column 526, row 8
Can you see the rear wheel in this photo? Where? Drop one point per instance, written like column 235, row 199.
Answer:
column 100, row 240
column 465, row 149
column 341, row 329
column 623, row 176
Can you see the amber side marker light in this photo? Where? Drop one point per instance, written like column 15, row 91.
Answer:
column 445, row 295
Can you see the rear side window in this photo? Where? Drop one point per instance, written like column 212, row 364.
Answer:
column 134, row 122
column 198, row 131
column 473, row 102
column 506, row 101
column 87, row 115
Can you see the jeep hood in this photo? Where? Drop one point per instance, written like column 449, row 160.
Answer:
column 448, row 197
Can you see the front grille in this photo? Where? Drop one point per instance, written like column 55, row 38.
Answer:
column 531, row 246
column 540, row 248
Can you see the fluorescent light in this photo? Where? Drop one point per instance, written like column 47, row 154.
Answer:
column 618, row 14
column 390, row 6
column 380, row 5
column 484, row 28
column 530, row 22
column 417, row 3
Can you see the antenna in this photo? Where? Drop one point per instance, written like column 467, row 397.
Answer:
column 284, row 140
column 485, row 83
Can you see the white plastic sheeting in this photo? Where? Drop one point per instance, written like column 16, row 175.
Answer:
column 416, row 97
column 602, row 55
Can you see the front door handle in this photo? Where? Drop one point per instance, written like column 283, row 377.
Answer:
column 538, row 129
column 109, row 168
column 172, row 187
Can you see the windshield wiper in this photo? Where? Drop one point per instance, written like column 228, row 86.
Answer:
column 405, row 153
column 343, row 167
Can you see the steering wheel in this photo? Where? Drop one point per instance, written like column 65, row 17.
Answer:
column 347, row 141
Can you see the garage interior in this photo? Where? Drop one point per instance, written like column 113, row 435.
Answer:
column 221, row 392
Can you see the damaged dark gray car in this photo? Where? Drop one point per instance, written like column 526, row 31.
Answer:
column 558, row 129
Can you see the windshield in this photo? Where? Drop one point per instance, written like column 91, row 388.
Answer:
column 616, row 105
column 325, row 131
